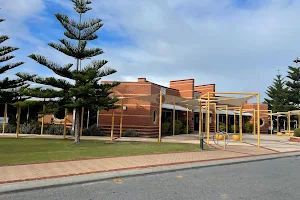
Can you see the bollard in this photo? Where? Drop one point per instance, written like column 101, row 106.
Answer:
column 201, row 142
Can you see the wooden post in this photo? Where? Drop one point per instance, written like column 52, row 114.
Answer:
column 278, row 125
column 121, row 118
column 112, row 125
column 241, row 124
column 187, row 120
column 174, row 113
column 258, row 120
column 254, row 122
column 271, row 122
column 200, row 119
column 208, row 118
column 5, row 115
column 82, row 115
column 160, row 116
column 234, row 122
column 65, row 123
column 289, row 122
column 226, row 119
column 18, row 122
column 43, row 120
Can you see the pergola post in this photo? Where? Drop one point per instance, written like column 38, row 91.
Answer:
column 160, row 116
column 289, row 122
column 241, row 124
column 215, row 118
column 208, row 118
column 18, row 122
column 121, row 118
column 65, row 122
column 254, row 122
column 187, row 120
column 278, row 124
column 218, row 122
column 43, row 120
column 200, row 120
column 112, row 125
column 234, row 123
column 174, row 113
column 258, row 120
column 226, row 119
column 5, row 116
column 271, row 122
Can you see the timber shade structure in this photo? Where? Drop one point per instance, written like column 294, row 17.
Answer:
column 288, row 116
column 204, row 103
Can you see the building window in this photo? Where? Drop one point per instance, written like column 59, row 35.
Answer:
column 262, row 122
column 155, row 116
column 60, row 114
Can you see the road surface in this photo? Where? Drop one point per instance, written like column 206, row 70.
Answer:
column 271, row 179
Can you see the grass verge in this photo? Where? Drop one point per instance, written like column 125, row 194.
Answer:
column 22, row 151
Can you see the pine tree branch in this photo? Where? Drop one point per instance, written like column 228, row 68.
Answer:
column 6, row 49
column 10, row 66
column 57, row 69
column 80, row 6
column 3, row 38
column 6, row 58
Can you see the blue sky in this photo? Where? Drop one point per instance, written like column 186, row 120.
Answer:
column 237, row 44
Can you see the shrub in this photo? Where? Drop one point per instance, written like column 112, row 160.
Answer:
column 34, row 127
column 231, row 128
column 9, row 128
column 178, row 127
column 54, row 129
column 222, row 127
column 297, row 132
column 248, row 127
column 165, row 128
column 93, row 130
column 130, row 133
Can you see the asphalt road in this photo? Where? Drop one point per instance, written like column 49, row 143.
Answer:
column 271, row 179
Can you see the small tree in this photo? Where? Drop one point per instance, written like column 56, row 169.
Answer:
column 79, row 87
column 9, row 89
column 293, row 85
column 278, row 95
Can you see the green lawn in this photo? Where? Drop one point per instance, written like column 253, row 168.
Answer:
column 20, row 151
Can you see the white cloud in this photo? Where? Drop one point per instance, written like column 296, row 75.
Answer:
column 240, row 48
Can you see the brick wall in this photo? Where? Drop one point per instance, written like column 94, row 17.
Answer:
column 203, row 89
column 185, row 87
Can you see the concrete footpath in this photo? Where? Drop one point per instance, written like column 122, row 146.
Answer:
column 41, row 175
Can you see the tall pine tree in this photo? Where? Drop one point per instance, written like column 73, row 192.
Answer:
column 79, row 87
column 9, row 89
column 277, row 95
column 293, row 85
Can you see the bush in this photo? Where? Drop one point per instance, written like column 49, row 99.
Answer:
column 130, row 133
column 165, row 128
column 222, row 127
column 231, row 128
column 9, row 128
column 93, row 130
column 34, row 127
column 55, row 129
column 178, row 127
column 248, row 127
column 297, row 132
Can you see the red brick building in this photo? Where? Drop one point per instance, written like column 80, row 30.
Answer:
column 142, row 116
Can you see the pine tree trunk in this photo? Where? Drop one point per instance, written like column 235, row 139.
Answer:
column 77, row 125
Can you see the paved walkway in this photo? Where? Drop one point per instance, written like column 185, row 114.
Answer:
column 27, row 172
column 270, row 145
